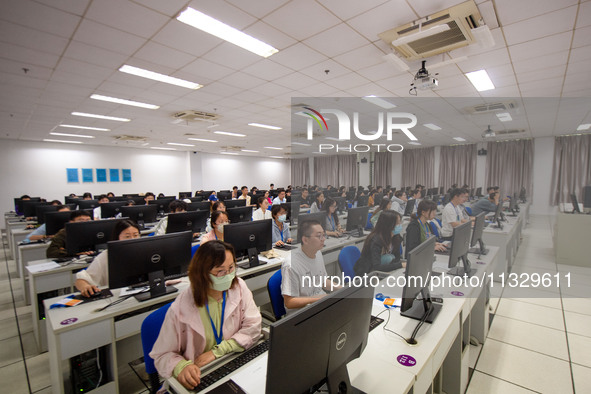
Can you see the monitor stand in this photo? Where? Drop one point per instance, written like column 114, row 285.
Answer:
column 358, row 232
column 480, row 250
column 157, row 287
column 417, row 311
column 462, row 270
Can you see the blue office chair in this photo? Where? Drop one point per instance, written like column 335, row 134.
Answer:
column 468, row 211
column 348, row 256
column 149, row 333
column 434, row 230
column 274, row 289
column 194, row 250
column 368, row 225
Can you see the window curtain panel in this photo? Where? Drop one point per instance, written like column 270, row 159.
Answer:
column 326, row 171
column 457, row 165
column 418, row 167
column 382, row 169
column 509, row 165
column 348, row 172
column 300, row 172
column 572, row 168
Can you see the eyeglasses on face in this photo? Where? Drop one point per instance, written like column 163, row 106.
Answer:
column 320, row 236
column 219, row 272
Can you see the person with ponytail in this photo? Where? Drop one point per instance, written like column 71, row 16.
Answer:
column 418, row 230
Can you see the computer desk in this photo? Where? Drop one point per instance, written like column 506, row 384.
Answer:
column 26, row 254
column 13, row 226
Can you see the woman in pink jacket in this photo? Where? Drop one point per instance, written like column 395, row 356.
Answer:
column 216, row 315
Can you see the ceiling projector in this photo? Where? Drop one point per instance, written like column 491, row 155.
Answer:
column 488, row 133
column 423, row 80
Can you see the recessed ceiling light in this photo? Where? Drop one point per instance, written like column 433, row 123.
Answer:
column 161, row 148
column 414, row 143
column 272, row 147
column 276, row 157
column 432, row 126
column 250, row 151
column 301, row 144
column 201, row 140
column 380, row 102
column 460, row 139
column 230, row 134
column 264, row 126
column 480, row 80
column 123, row 101
column 64, row 141
column 71, row 135
column 100, row 117
column 504, row 117
column 585, row 126
column 228, row 153
column 178, row 144
column 71, row 126
column 219, row 29
column 140, row 72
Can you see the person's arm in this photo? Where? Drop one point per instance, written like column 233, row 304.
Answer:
column 88, row 280
column 57, row 248
column 37, row 234
column 276, row 234
column 299, row 302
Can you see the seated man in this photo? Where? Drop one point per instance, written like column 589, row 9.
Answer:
column 305, row 199
column 452, row 215
column 149, row 196
column 102, row 199
column 280, row 199
column 57, row 248
column 486, row 205
column 244, row 195
column 41, row 232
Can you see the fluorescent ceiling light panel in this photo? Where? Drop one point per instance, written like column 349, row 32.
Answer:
column 228, row 153
column 72, row 135
column 414, row 143
column 460, row 139
column 276, row 157
column 161, row 148
column 178, row 144
column 480, row 80
column 64, row 141
column 585, row 126
column 219, row 29
column 272, row 147
column 201, row 140
column 432, row 126
column 140, row 72
column 123, row 101
column 264, row 126
column 230, row 134
column 250, row 151
column 101, row 117
column 71, row 126
column 300, row 144
column 504, row 117
column 420, row 34
column 380, row 102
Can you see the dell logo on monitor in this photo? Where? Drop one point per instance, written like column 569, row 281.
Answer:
column 189, row 224
column 251, row 237
column 100, row 235
column 155, row 258
column 341, row 340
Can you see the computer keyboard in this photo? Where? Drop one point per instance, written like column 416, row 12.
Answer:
column 284, row 247
column 233, row 365
column 101, row 295
column 445, row 252
column 374, row 322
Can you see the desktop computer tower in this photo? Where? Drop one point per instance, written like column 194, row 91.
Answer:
column 89, row 370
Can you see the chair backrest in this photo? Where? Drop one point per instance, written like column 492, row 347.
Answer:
column 347, row 259
column 434, row 229
column 149, row 333
column 194, row 249
column 274, row 289
column 469, row 211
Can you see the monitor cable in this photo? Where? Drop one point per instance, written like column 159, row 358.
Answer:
column 412, row 341
column 386, row 324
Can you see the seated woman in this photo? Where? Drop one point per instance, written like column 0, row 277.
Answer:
column 215, row 316
column 317, row 204
column 280, row 231
column 418, row 229
column 333, row 228
column 218, row 219
column 399, row 201
column 381, row 250
column 385, row 205
column 262, row 212
column 370, row 199
column 97, row 273
column 217, row 206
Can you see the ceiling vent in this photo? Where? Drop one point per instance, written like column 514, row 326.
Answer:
column 491, row 107
column 131, row 138
column 234, row 148
column 441, row 32
column 512, row 131
column 195, row 116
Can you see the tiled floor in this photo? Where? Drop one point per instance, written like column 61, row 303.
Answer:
column 540, row 339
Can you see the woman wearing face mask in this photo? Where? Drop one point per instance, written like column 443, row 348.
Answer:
column 215, row 316
column 381, row 250
column 281, row 233
column 218, row 220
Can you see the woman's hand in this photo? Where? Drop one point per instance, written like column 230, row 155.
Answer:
column 85, row 288
column 440, row 247
column 204, row 359
column 190, row 376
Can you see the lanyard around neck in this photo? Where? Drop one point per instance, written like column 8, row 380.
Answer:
column 218, row 337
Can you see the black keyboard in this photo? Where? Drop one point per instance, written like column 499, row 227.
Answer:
column 445, row 252
column 101, row 295
column 233, row 365
column 374, row 322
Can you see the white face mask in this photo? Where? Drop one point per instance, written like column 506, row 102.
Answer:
column 222, row 283
column 220, row 228
column 282, row 218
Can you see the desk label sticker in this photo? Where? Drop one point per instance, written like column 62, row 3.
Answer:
column 457, row 293
column 406, row 360
column 480, row 262
column 69, row 321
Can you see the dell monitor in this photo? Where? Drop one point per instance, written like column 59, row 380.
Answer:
column 141, row 214
column 357, row 219
column 199, row 206
column 87, row 204
column 249, row 239
column 41, row 210
column 460, row 244
column 162, row 204
column 194, row 221
column 55, row 221
column 183, row 195
column 18, row 204
column 30, row 207
column 149, row 261
column 111, row 209
column 575, row 202
column 317, row 342
column 417, row 275
column 235, row 203
column 240, row 214
column 320, row 217
column 89, row 236
column 477, row 236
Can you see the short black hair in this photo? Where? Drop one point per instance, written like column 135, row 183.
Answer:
column 101, row 196
column 307, row 225
column 216, row 204
column 244, row 187
column 280, row 190
column 77, row 214
column 455, row 192
column 148, row 194
column 234, row 187
column 275, row 209
column 56, row 202
column 25, row 196
column 87, row 194
column 177, row 205
column 216, row 214
column 123, row 225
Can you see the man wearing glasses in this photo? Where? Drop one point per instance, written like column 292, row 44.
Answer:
column 304, row 277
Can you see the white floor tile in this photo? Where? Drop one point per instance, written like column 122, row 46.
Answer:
column 578, row 305
column 13, row 378
column 580, row 349
column 39, row 374
column 574, row 269
column 11, row 349
column 536, row 314
column 578, row 323
column 546, row 264
column 474, row 353
column 525, row 368
column 582, row 378
column 485, row 384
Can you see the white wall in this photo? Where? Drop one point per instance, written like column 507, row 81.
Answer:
column 481, row 168
column 543, row 162
column 39, row 169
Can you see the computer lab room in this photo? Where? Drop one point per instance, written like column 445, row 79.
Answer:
column 281, row 196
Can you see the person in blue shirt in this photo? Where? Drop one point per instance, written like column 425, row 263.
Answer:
column 487, row 205
column 280, row 233
column 280, row 199
column 40, row 232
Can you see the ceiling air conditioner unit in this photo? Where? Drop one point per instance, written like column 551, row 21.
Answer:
column 195, row 116
column 441, row 32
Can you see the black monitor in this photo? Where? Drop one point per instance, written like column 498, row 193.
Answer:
column 117, row 198
column 357, row 219
column 204, row 194
column 575, row 202
column 111, row 209
column 293, row 211
column 92, row 235
column 362, row 201
column 478, row 192
column 417, row 275
column 223, row 196
column 194, row 221
column 522, row 194
column 477, row 236
column 342, row 203
column 235, row 203
column 249, row 238
column 86, row 204
column 304, row 217
column 199, row 206
column 499, row 215
column 138, row 200
column 43, row 209
column 351, row 195
column 162, row 204
column 587, row 197
column 30, row 208
column 196, row 198
column 18, row 204
column 141, row 214
column 71, row 200
column 377, row 198
column 410, row 205
column 460, row 244
column 446, row 199
column 183, row 195
column 149, row 261
column 55, row 221
column 441, row 191
column 318, row 341
column 240, row 214
column 513, row 207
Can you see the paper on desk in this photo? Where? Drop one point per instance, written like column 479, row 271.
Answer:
column 253, row 378
column 43, row 267
column 126, row 291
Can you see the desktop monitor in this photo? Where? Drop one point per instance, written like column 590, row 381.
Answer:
column 196, row 198
column 162, row 203
column 71, row 200
column 199, row 206
column 111, row 209
column 587, row 197
column 574, row 201
column 43, row 209
column 357, row 219
column 18, row 204
column 30, row 207
column 460, row 244
column 117, row 198
column 522, row 194
column 377, row 198
column 205, row 194
column 441, row 191
column 418, row 275
column 141, row 214
column 194, row 221
column 318, row 216
column 342, row 203
column 55, row 221
column 351, row 195
column 240, row 214
column 318, row 341
column 89, row 236
column 223, row 196
column 236, row 203
column 293, row 211
column 87, row 204
column 513, row 207
column 477, row 236
column 499, row 215
column 478, row 192
column 362, row 201
column 138, row 200
column 249, row 238
column 410, row 206
column 183, row 195
column 149, row 261
column 446, row 199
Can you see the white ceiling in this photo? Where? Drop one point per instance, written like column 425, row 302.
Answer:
column 73, row 48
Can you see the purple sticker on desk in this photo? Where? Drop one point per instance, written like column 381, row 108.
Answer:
column 457, row 293
column 69, row 321
column 480, row 262
column 406, row 360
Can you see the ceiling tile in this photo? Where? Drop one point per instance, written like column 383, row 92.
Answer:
column 71, row 6
column 494, row 58
column 379, row 71
column 543, row 46
column 541, row 26
column 427, row 7
column 540, row 63
column 183, row 37
column 267, row 69
column 301, row 19
column 163, row 55
column 295, row 81
column 509, row 11
column 31, row 38
column 298, row 56
column 319, row 71
column 102, row 36
column 271, row 89
column 242, row 80
column 28, row 57
column 130, row 17
column 580, row 54
column 205, row 70
column 39, row 17
column 582, row 37
column 584, row 15
column 258, row 8
column 371, row 23
column 168, row 7
column 319, row 90
column 91, row 54
column 551, row 72
column 346, row 9
column 365, row 56
column 232, row 56
column 347, row 81
column 336, row 40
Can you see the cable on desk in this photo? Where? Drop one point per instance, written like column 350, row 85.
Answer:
column 387, row 320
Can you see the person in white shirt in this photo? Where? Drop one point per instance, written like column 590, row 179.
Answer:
column 399, row 201
column 262, row 212
column 244, row 195
column 416, row 199
column 176, row 206
column 318, row 203
column 102, row 199
column 452, row 215
column 280, row 199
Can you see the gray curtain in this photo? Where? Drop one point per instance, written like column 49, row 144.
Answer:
column 457, row 165
column 509, row 165
column 348, row 172
column 572, row 167
column 300, row 172
column 326, row 171
column 382, row 169
column 418, row 166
